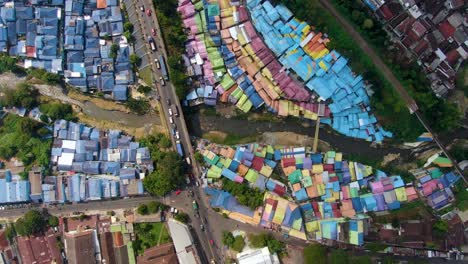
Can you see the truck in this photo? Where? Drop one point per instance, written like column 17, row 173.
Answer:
column 152, row 44
column 163, row 67
column 179, row 148
column 195, row 205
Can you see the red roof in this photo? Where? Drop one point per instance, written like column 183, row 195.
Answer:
column 257, row 163
column 39, row 249
column 31, row 51
column 452, row 56
column 421, row 47
column 386, row 12
column 328, row 167
column 3, row 241
column 446, row 29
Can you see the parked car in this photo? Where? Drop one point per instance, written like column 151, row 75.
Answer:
column 168, row 101
column 171, row 120
column 177, row 135
column 142, row 8
column 153, row 31
column 148, row 12
column 158, row 65
column 163, row 82
column 170, row 111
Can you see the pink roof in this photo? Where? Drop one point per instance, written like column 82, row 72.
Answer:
column 429, row 187
column 377, row 187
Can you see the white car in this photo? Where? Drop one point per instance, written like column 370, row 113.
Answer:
column 162, row 81
column 171, row 120
column 177, row 135
column 158, row 65
column 170, row 111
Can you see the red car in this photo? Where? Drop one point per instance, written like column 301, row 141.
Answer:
column 148, row 12
column 153, row 31
column 178, row 192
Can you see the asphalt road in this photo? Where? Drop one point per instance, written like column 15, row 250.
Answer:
column 104, row 206
column 145, row 25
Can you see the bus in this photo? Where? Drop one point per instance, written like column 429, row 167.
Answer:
column 163, row 67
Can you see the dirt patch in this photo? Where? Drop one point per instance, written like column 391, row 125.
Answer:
column 102, row 103
column 389, row 158
column 137, row 132
column 294, row 256
column 292, row 139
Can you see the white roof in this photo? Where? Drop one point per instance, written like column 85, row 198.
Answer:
column 257, row 256
column 66, row 159
column 182, row 239
column 69, row 144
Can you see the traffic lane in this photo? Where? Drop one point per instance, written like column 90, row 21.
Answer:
column 70, row 208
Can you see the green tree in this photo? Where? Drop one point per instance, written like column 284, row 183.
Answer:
column 128, row 26
column 53, row 221
column 144, row 89
column 114, row 48
column 142, row 209
column 167, row 176
column 368, row 23
column 10, row 233
column 238, row 244
column 227, row 238
column 7, row 63
column 199, row 157
column 316, row 254
column 267, row 240
column 440, row 229
column 24, row 95
column 247, row 196
column 338, row 256
column 138, row 106
column 31, row 223
column 58, row 111
column 182, row 217
column 134, row 59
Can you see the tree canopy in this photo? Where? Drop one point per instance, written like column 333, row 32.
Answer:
column 33, row 222
column 251, row 197
column 167, row 176
column 267, row 240
column 24, row 95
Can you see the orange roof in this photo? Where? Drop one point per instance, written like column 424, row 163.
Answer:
column 101, row 3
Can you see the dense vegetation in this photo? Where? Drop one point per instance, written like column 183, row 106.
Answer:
column 25, row 139
column 34, row 222
column 267, row 240
column 139, row 106
column 168, row 173
column 182, row 217
column 235, row 243
column 151, row 208
column 251, row 197
column 144, row 89
column 7, row 63
column 174, row 36
column 45, row 76
column 149, row 235
column 56, row 111
column 24, row 95
column 442, row 116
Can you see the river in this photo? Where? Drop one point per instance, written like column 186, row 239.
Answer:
column 199, row 124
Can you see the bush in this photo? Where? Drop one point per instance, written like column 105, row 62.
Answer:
column 53, row 221
column 134, row 59
column 144, row 89
column 140, row 106
column 227, row 238
column 153, row 207
column 267, row 240
column 57, row 111
column 182, row 217
column 338, row 256
column 7, row 63
column 142, row 209
column 45, row 76
column 316, row 254
column 24, row 95
column 238, row 244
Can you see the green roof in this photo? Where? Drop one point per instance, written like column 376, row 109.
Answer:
column 436, row 173
column 116, row 228
column 213, row 10
column 251, row 176
column 131, row 253
column 306, row 181
column 227, row 82
column 295, row 177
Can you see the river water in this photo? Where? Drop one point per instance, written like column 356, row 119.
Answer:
column 199, row 124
